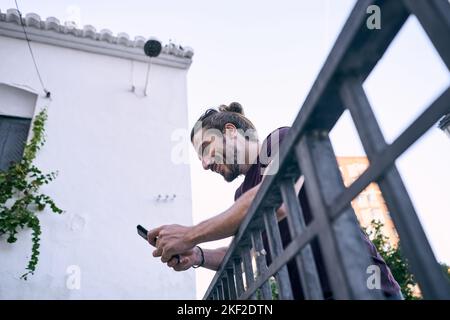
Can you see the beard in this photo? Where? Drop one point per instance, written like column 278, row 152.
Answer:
column 232, row 173
column 234, row 169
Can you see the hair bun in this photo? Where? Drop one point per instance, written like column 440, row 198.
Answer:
column 233, row 107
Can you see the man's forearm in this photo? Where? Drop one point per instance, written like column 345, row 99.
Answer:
column 225, row 224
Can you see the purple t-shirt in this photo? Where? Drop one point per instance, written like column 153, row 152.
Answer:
column 270, row 148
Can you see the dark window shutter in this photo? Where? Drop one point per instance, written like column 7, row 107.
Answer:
column 13, row 137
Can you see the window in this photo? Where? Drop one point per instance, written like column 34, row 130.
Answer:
column 13, row 137
column 355, row 170
column 362, row 200
column 365, row 218
column 377, row 215
column 372, row 198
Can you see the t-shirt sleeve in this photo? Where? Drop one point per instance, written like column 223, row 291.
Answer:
column 271, row 145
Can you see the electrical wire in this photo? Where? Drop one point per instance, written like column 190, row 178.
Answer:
column 47, row 93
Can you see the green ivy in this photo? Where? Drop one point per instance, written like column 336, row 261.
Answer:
column 20, row 199
column 273, row 288
column 393, row 257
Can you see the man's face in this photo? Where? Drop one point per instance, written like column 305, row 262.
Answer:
column 218, row 152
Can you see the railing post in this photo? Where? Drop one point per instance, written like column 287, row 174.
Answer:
column 305, row 259
column 238, row 275
column 226, row 293
column 261, row 263
column 220, row 291
column 248, row 269
column 345, row 255
column 276, row 248
column 231, row 284
column 215, row 294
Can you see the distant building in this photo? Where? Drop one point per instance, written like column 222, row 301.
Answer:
column 369, row 205
column 109, row 134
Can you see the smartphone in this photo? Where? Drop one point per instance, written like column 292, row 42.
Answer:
column 143, row 233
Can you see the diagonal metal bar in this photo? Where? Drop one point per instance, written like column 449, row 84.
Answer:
column 434, row 16
column 387, row 156
column 413, row 239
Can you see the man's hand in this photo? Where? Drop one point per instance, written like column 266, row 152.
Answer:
column 187, row 260
column 170, row 240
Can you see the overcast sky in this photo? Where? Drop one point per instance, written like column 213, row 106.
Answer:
column 266, row 55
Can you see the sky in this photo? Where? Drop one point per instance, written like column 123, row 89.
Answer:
column 266, row 55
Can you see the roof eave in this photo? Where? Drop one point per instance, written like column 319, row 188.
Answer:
column 87, row 39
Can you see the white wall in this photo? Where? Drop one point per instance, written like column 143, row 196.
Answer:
column 112, row 149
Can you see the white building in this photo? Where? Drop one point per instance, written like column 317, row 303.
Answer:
column 111, row 144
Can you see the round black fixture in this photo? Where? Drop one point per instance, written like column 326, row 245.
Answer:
column 152, row 48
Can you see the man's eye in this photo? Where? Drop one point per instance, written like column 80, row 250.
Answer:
column 205, row 150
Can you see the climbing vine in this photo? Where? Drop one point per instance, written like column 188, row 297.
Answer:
column 20, row 199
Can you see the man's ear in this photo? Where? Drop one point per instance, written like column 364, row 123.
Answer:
column 230, row 130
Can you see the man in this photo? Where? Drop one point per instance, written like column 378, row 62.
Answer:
column 226, row 143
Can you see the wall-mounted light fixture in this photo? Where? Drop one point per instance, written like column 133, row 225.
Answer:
column 152, row 49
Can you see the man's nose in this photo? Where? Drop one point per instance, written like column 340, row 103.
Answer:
column 206, row 163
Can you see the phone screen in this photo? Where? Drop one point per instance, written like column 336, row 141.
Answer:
column 142, row 231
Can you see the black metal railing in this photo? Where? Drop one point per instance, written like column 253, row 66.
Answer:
column 307, row 151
